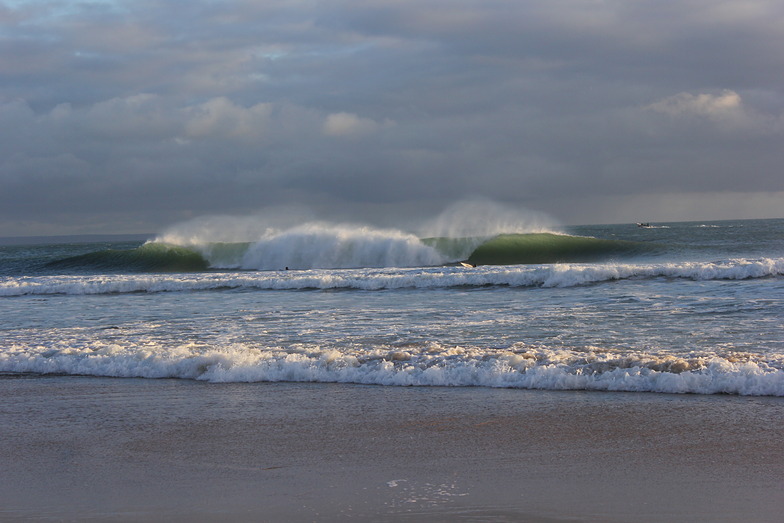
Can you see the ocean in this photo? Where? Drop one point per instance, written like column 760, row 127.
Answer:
column 673, row 308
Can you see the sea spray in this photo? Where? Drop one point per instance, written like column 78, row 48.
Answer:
column 252, row 244
column 276, row 240
column 233, row 229
column 483, row 219
column 464, row 226
column 316, row 245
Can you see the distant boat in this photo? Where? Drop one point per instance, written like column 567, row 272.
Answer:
column 644, row 225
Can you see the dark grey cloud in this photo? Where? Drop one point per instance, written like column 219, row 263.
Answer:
column 123, row 116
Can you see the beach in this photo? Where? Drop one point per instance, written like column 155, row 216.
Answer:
column 88, row 448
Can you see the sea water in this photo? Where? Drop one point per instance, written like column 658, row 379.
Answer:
column 673, row 308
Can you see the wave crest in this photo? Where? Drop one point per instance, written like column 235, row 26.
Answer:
column 554, row 275
column 150, row 257
column 428, row 365
column 318, row 246
column 314, row 245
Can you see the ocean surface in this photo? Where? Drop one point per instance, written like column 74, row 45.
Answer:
column 671, row 308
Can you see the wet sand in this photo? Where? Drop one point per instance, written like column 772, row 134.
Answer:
column 79, row 448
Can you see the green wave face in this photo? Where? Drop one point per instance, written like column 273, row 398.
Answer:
column 506, row 249
column 513, row 249
column 150, row 257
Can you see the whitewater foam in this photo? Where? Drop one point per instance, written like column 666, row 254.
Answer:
column 315, row 246
column 271, row 242
column 551, row 275
column 311, row 246
column 431, row 365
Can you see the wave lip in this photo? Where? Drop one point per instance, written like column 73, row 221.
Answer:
column 319, row 246
column 431, row 365
column 312, row 246
column 316, row 246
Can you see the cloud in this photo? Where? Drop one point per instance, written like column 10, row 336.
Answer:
column 726, row 111
column 712, row 106
column 348, row 124
column 220, row 117
column 120, row 112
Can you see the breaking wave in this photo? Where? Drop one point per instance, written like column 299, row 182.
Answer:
column 511, row 249
column 340, row 247
column 150, row 257
column 428, row 365
column 550, row 275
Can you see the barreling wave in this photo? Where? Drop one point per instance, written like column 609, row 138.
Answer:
column 549, row 275
column 512, row 249
column 430, row 364
column 150, row 257
column 313, row 246
column 319, row 247
column 345, row 248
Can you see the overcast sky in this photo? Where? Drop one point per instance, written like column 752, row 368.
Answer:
column 129, row 116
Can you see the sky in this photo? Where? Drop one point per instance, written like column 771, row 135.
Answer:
column 129, row 116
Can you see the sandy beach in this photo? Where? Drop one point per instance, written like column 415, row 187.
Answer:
column 79, row 448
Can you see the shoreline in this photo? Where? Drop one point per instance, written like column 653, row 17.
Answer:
column 176, row 450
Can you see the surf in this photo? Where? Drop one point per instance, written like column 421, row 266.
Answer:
column 442, row 277
column 149, row 257
column 473, row 233
column 341, row 247
column 431, row 364
column 274, row 242
column 538, row 248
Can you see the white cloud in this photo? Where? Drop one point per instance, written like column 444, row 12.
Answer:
column 726, row 111
column 348, row 124
column 222, row 117
column 724, row 105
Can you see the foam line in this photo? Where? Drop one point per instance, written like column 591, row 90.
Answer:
column 519, row 367
column 556, row 275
